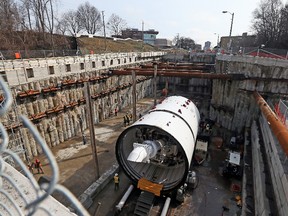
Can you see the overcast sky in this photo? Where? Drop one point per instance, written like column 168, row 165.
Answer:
column 200, row 20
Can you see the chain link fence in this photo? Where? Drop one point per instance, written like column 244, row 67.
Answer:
column 25, row 54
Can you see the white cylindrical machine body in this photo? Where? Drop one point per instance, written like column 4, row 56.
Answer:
column 172, row 126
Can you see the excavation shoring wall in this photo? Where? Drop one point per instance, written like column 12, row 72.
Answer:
column 233, row 105
column 235, row 108
column 50, row 92
column 270, row 171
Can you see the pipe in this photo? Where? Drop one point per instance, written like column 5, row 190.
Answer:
column 195, row 74
column 166, row 207
column 277, row 127
column 182, row 67
column 124, row 198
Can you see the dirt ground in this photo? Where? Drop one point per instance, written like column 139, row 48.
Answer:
column 75, row 160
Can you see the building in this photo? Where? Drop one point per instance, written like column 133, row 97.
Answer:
column 238, row 42
column 163, row 43
column 148, row 36
column 198, row 47
column 207, row 45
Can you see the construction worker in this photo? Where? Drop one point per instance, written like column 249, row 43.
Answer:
column 30, row 167
column 116, row 181
column 126, row 120
column 38, row 166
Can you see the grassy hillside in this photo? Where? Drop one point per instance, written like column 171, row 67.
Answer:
column 97, row 45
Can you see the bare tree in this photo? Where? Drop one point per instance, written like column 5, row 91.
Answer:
column 90, row 18
column 284, row 27
column 116, row 24
column 61, row 27
column 26, row 11
column 8, row 15
column 72, row 22
column 267, row 20
column 25, row 18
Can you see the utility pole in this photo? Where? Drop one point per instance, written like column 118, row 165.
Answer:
column 134, row 94
column 104, row 31
column 231, row 26
column 91, row 126
column 142, row 35
column 155, row 84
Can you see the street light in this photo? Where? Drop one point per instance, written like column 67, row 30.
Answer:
column 232, row 14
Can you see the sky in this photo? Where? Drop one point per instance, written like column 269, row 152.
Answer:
column 200, row 20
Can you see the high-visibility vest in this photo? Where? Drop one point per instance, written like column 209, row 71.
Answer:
column 116, row 179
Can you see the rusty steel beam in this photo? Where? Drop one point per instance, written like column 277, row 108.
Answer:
column 165, row 70
column 277, row 127
column 190, row 74
column 179, row 67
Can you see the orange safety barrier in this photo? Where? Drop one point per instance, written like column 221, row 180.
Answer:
column 17, row 55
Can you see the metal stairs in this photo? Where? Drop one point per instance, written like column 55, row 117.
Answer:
column 144, row 203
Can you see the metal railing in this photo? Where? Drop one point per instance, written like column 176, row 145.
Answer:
column 265, row 52
column 26, row 54
column 281, row 110
column 42, row 192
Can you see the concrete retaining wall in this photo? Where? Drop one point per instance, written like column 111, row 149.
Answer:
column 60, row 115
column 232, row 103
column 23, row 71
column 262, row 207
column 234, row 107
column 278, row 167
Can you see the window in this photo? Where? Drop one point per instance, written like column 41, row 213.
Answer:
column 4, row 76
column 93, row 64
column 119, row 61
column 111, row 62
column 130, row 59
column 30, row 72
column 124, row 60
column 103, row 63
column 81, row 66
column 51, row 70
column 68, row 67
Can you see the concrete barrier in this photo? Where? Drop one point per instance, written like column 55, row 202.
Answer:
column 91, row 192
